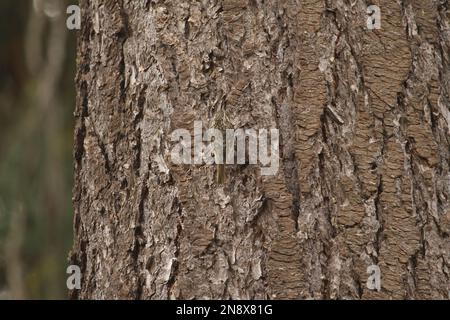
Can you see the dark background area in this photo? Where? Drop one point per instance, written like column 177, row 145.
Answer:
column 37, row 96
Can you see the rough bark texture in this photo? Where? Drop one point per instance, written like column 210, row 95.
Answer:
column 364, row 174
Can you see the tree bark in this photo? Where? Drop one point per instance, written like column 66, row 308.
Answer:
column 364, row 150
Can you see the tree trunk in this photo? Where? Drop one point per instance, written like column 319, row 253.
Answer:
column 364, row 150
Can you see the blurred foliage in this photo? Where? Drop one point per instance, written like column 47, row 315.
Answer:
column 36, row 103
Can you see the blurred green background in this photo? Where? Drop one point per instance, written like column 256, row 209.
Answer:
column 37, row 97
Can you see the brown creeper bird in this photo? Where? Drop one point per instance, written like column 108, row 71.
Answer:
column 221, row 122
